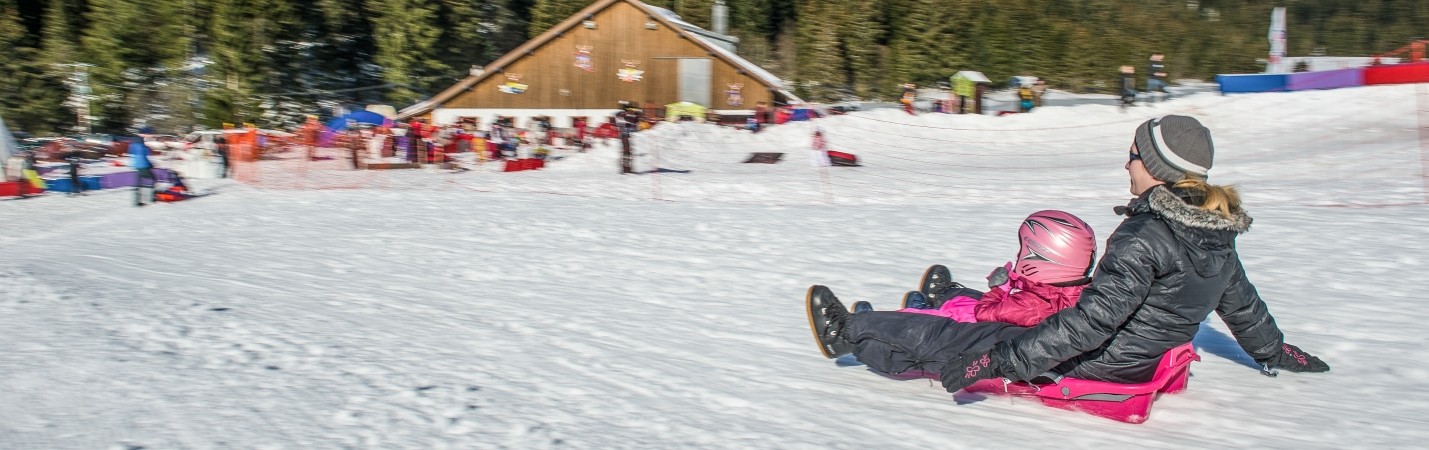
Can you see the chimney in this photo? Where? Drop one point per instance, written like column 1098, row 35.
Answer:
column 720, row 19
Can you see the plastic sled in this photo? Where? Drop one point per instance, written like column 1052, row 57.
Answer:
column 1129, row 403
column 838, row 158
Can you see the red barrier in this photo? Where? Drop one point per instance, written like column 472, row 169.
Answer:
column 517, row 165
column 1397, row 74
column 18, row 188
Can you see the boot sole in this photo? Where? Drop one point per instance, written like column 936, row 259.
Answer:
column 927, row 275
column 812, row 311
column 813, row 328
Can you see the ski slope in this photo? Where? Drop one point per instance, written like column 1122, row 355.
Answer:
column 577, row 308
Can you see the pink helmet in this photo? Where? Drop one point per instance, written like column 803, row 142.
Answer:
column 1057, row 247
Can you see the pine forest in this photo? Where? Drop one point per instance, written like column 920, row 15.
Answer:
column 175, row 64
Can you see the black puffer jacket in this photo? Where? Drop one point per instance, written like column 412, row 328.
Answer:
column 1167, row 266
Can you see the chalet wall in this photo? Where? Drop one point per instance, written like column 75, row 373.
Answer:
column 554, row 82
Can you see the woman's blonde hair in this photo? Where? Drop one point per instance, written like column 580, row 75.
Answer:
column 1223, row 200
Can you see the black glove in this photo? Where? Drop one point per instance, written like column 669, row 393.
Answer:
column 1293, row 359
column 966, row 369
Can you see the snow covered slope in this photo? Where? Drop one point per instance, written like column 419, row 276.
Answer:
column 577, row 308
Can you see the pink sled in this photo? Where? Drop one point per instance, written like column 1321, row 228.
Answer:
column 1129, row 403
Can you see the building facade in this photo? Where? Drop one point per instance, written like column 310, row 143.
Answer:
column 610, row 51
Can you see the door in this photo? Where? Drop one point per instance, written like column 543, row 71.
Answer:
column 695, row 78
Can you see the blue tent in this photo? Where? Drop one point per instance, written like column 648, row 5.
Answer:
column 368, row 117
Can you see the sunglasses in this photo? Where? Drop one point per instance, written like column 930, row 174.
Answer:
column 1135, row 156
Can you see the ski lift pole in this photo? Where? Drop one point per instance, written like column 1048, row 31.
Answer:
column 655, row 173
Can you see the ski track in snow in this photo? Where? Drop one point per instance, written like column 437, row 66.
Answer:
column 476, row 310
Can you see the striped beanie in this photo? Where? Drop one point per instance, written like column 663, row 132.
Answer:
column 1174, row 148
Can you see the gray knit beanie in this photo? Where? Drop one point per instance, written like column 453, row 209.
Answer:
column 1174, row 148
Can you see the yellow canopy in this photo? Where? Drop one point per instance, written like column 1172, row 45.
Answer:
column 673, row 111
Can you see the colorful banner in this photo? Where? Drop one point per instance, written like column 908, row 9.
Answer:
column 1258, row 82
column 1277, row 37
column 1326, row 79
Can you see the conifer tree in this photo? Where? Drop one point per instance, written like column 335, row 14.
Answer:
column 751, row 21
column 699, row 13
column 133, row 46
column 31, row 99
column 547, row 13
column 859, row 35
column 248, row 40
column 817, row 52
column 462, row 42
column 406, row 35
column 57, row 33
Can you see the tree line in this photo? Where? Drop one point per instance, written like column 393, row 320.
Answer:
column 171, row 64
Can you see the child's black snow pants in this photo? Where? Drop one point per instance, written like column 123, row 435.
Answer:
column 893, row 342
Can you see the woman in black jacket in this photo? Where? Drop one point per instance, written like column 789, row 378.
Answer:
column 1169, row 264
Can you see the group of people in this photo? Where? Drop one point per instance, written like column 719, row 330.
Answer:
column 1053, row 313
column 1155, row 79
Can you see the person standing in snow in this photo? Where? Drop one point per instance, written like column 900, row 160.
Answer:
column 139, row 159
column 628, row 120
column 819, row 151
column 220, row 147
column 73, row 157
column 1170, row 263
column 1128, row 86
column 1039, row 89
column 910, row 94
column 1156, row 74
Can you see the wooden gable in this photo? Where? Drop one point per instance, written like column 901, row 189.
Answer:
column 614, row 35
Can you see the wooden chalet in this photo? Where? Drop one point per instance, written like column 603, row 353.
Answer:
column 610, row 51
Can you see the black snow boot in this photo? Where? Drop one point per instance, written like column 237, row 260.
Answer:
column 860, row 307
column 938, row 285
column 827, row 317
column 915, row 300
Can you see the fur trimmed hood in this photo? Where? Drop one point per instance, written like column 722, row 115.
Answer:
column 1182, row 207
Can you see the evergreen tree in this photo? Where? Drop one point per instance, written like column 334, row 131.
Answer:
column 547, row 13
column 57, row 37
column 31, row 99
column 817, row 51
column 699, row 13
column 860, row 34
column 462, row 42
column 341, row 58
column 406, row 36
column 134, row 47
column 751, row 21
column 248, row 43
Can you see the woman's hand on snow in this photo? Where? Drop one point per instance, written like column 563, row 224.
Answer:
column 1293, row 359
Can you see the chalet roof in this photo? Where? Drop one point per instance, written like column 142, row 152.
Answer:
column 768, row 79
column 724, row 41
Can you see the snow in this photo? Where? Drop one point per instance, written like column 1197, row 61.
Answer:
column 575, row 307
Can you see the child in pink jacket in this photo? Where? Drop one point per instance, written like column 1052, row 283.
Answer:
column 1052, row 268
